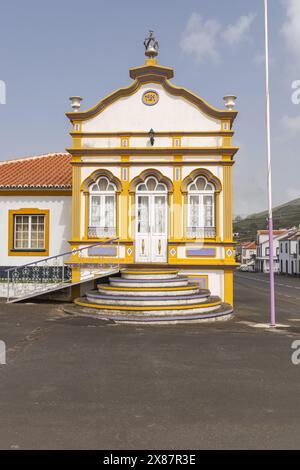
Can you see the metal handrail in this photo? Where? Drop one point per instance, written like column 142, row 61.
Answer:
column 46, row 277
column 75, row 250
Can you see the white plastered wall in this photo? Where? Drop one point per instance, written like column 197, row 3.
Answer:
column 59, row 224
column 171, row 113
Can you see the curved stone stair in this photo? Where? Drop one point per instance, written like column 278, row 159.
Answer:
column 153, row 296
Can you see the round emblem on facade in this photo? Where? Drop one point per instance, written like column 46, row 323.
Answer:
column 150, row 97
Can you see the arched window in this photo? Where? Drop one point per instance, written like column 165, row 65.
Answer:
column 201, row 221
column 151, row 184
column 151, row 206
column 102, row 209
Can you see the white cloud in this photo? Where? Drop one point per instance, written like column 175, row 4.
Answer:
column 199, row 38
column 290, row 125
column 291, row 28
column 238, row 31
column 293, row 193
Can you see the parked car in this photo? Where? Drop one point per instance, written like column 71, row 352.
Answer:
column 244, row 267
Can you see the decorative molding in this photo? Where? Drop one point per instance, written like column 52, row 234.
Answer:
column 152, row 74
column 201, row 172
column 92, row 178
column 151, row 172
column 151, row 151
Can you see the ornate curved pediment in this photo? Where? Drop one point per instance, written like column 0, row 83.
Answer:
column 152, row 73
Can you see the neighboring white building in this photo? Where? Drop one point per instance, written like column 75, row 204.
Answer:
column 262, row 249
column 289, row 252
column 35, row 208
column 246, row 254
column 298, row 253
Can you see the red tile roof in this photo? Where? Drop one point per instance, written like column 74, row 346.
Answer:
column 52, row 170
column 249, row 245
column 275, row 232
column 294, row 235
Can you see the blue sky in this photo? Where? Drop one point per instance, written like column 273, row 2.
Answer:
column 52, row 50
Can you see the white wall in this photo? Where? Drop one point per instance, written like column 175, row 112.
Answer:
column 59, row 230
column 171, row 113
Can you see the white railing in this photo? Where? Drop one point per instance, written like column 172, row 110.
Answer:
column 55, row 272
column 200, row 232
column 101, row 232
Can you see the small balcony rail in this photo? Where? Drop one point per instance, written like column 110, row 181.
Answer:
column 101, row 232
column 200, row 232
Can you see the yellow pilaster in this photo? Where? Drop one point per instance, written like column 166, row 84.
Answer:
column 228, row 286
column 125, row 203
column 75, row 278
column 86, row 214
column 227, row 203
column 76, row 201
column 177, row 202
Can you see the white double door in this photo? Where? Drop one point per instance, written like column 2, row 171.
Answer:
column 151, row 228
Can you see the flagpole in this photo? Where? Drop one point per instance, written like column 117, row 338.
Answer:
column 270, row 214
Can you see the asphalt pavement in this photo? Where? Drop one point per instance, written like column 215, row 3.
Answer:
column 78, row 383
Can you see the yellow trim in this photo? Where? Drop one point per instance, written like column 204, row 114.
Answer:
column 154, row 271
column 86, row 214
column 151, row 172
column 125, row 201
column 197, row 276
column 93, row 177
column 75, row 279
column 147, row 308
column 227, row 203
column 178, row 139
column 169, row 133
column 152, row 74
column 76, row 201
column 27, row 211
column 153, row 151
column 177, row 203
column 228, row 286
column 141, row 289
column 123, row 140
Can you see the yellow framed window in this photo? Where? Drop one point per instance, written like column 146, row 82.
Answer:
column 29, row 232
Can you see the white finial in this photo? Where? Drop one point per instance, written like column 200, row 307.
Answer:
column 230, row 101
column 75, row 103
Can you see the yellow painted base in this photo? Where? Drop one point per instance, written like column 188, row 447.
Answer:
column 145, row 307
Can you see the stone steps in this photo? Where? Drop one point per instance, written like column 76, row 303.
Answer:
column 120, row 282
column 149, row 274
column 106, row 299
column 150, row 291
column 159, row 310
column 153, row 296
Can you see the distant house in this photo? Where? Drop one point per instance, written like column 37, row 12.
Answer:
column 298, row 253
column 246, row 253
column 263, row 249
column 289, row 262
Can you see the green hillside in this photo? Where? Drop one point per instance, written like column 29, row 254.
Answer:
column 285, row 216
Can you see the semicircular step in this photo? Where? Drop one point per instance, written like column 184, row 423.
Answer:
column 149, row 274
column 128, row 301
column 223, row 312
column 150, row 291
column 120, row 282
column 160, row 311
